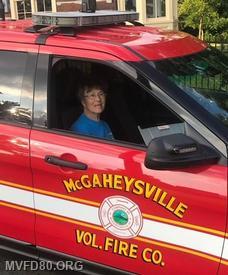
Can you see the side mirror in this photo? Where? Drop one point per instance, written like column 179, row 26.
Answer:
column 178, row 150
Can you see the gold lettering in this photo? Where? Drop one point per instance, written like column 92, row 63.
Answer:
column 133, row 251
column 157, row 194
column 149, row 190
column 117, row 182
column 96, row 181
column 69, row 185
column 136, row 186
column 179, row 211
column 108, row 243
column 152, row 256
column 116, row 246
column 79, row 187
column 128, row 183
column 107, row 180
column 170, row 203
column 79, row 235
column 85, row 181
column 86, row 238
column 144, row 255
column 139, row 187
column 123, row 248
column 162, row 198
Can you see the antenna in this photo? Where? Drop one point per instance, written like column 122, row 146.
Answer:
column 88, row 6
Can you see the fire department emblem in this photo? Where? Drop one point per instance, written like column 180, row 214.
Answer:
column 121, row 217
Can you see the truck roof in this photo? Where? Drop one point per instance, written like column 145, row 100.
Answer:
column 148, row 43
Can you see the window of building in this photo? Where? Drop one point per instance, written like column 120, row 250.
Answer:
column 155, row 8
column 24, row 9
column 12, row 105
column 6, row 5
column 130, row 5
column 44, row 5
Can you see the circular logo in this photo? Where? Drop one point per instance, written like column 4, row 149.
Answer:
column 121, row 217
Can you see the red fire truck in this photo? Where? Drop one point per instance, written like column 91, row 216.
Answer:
column 152, row 200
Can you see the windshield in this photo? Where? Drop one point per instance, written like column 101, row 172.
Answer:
column 204, row 76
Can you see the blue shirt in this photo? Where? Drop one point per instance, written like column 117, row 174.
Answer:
column 86, row 126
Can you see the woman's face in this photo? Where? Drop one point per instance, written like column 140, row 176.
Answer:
column 94, row 101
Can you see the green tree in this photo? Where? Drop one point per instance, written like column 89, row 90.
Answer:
column 206, row 16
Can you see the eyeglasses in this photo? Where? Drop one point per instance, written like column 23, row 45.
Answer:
column 93, row 96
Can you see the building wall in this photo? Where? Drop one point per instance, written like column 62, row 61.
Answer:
column 66, row 5
column 169, row 20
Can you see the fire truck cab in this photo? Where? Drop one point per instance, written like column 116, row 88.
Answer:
column 151, row 200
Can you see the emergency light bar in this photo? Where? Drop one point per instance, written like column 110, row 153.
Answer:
column 100, row 17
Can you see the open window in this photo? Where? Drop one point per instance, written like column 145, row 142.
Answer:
column 132, row 113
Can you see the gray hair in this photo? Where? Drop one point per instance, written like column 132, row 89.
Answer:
column 89, row 85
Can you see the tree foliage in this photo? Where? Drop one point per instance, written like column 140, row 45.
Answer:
column 209, row 17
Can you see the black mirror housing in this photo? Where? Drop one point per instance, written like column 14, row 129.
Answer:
column 178, row 150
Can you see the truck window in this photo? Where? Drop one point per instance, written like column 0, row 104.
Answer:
column 204, row 77
column 14, row 107
column 132, row 113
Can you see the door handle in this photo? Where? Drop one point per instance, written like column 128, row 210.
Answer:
column 60, row 162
